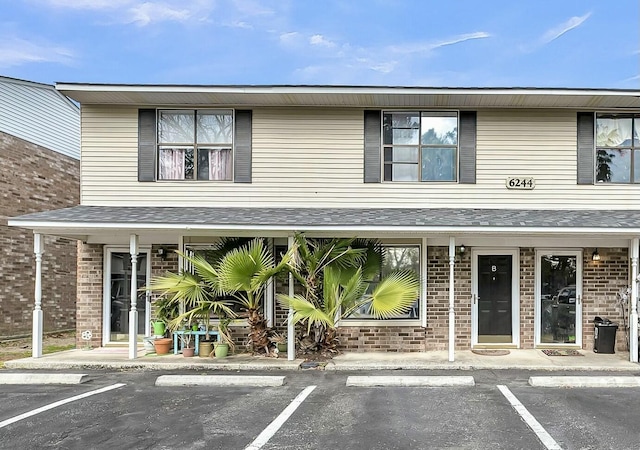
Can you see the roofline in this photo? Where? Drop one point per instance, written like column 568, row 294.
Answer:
column 338, row 89
column 36, row 84
column 59, row 226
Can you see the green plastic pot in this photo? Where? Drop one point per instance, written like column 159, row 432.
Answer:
column 221, row 350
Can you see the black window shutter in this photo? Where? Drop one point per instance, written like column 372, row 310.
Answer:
column 242, row 150
column 147, row 145
column 372, row 146
column 467, row 142
column 586, row 149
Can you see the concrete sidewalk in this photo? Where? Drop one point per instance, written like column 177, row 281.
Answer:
column 117, row 358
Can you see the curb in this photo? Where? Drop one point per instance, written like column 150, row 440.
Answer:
column 411, row 381
column 219, row 380
column 584, row 382
column 43, row 378
column 139, row 365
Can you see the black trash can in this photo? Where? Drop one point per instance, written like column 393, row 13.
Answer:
column 604, row 335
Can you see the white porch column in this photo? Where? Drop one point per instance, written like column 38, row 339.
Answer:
column 452, row 330
column 424, row 270
column 291, row 331
column 269, row 310
column 36, row 343
column 133, row 314
column 633, row 309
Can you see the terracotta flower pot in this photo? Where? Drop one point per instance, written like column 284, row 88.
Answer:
column 188, row 352
column 163, row 345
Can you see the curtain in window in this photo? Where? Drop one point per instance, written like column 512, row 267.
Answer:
column 220, row 164
column 172, row 164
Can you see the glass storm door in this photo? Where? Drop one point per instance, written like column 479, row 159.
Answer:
column 560, row 296
column 119, row 294
column 494, row 299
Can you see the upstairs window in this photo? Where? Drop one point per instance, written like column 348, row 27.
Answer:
column 195, row 144
column 420, row 146
column 618, row 148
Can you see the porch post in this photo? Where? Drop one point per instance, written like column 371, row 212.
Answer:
column 424, row 260
column 452, row 262
column 291, row 331
column 36, row 343
column 633, row 309
column 133, row 314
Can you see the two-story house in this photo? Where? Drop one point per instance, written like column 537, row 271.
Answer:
column 519, row 208
column 39, row 171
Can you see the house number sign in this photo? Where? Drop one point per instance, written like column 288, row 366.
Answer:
column 521, row 183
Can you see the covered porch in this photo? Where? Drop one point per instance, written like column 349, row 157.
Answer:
column 452, row 242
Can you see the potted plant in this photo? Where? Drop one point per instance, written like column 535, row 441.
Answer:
column 187, row 349
column 280, row 342
column 225, row 343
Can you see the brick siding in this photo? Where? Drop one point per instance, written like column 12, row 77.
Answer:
column 601, row 282
column 33, row 179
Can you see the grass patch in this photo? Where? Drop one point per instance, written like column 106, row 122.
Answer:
column 8, row 355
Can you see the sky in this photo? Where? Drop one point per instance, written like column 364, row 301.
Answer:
column 443, row 43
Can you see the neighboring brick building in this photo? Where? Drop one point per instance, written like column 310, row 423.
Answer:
column 39, row 171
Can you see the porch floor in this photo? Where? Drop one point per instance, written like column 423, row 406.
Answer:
column 117, row 358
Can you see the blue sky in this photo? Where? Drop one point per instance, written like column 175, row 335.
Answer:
column 541, row 43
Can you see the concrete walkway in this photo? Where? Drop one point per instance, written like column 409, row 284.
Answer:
column 117, row 358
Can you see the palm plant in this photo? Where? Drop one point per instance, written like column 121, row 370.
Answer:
column 240, row 272
column 336, row 276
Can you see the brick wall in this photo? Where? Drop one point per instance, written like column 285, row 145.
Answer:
column 32, row 179
column 89, row 306
column 601, row 281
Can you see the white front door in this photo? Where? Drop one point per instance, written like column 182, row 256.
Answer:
column 117, row 294
column 558, row 297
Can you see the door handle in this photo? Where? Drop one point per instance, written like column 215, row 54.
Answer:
column 579, row 299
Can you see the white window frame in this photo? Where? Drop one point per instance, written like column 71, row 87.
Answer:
column 420, row 146
column 422, row 307
column 578, row 253
column 193, row 145
column 106, row 291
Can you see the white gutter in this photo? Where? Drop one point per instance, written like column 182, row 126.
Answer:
column 323, row 90
column 42, row 226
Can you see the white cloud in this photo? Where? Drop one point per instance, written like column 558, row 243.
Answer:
column 149, row 12
column 289, row 38
column 89, row 4
column 240, row 24
column 320, row 40
column 429, row 46
column 16, row 51
column 252, row 8
column 555, row 32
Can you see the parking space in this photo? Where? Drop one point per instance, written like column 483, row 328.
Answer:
column 332, row 415
column 586, row 418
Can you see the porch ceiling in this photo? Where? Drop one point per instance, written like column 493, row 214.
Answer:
column 349, row 96
column 91, row 220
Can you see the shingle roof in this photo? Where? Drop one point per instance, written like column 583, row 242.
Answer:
column 309, row 218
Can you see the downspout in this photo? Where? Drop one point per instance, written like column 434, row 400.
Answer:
column 633, row 313
column 36, row 342
column 452, row 263
column 133, row 314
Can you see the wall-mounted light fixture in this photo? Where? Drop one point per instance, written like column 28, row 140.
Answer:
column 162, row 253
column 595, row 256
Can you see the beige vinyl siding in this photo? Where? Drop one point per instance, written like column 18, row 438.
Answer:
column 314, row 157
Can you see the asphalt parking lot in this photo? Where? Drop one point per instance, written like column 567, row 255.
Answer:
column 141, row 415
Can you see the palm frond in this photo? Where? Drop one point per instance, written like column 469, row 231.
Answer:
column 306, row 312
column 394, row 295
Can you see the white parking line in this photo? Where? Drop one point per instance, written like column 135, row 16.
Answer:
column 59, row 403
column 538, row 429
column 274, row 426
